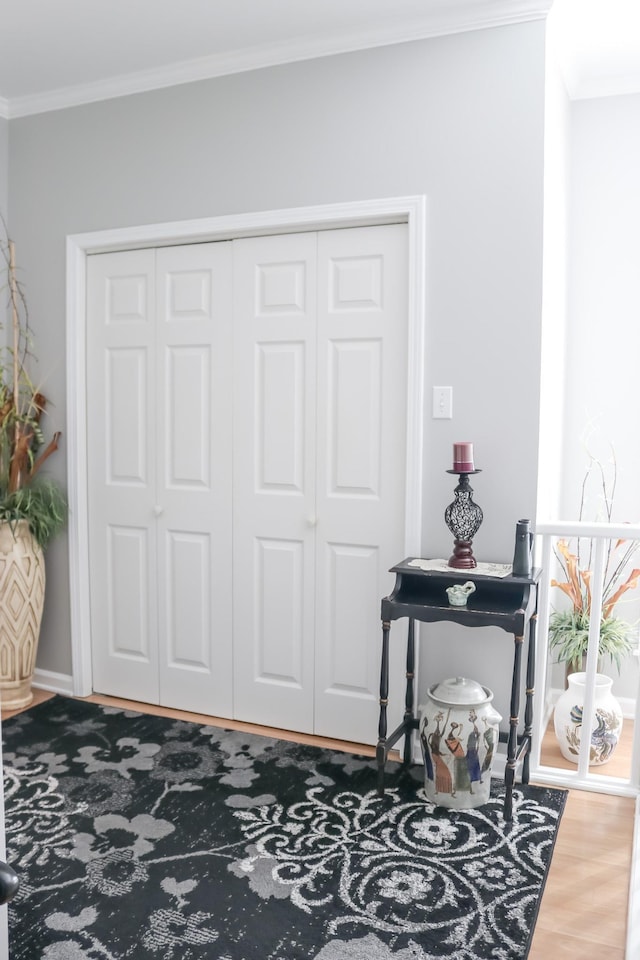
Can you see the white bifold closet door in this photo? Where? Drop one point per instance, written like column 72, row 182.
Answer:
column 320, row 354
column 247, row 411
column 159, row 449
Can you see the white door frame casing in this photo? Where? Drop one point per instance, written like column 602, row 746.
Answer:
column 410, row 210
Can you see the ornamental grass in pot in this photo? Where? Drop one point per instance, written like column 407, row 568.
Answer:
column 32, row 507
column 569, row 627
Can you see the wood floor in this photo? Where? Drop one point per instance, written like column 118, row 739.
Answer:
column 583, row 914
column 584, row 908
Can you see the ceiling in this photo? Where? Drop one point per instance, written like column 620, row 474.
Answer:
column 597, row 43
column 57, row 54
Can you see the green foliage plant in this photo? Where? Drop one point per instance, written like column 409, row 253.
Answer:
column 569, row 637
column 24, row 493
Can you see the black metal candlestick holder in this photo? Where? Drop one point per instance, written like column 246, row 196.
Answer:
column 463, row 518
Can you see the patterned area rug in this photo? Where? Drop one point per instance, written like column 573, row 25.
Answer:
column 140, row 837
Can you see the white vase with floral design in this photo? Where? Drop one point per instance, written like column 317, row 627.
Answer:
column 607, row 721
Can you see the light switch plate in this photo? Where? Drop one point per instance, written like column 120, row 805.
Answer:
column 442, row 403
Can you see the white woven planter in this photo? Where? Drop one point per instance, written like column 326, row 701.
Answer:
column 22, row 580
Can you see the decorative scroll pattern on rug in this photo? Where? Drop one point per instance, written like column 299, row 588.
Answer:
column 141, row 837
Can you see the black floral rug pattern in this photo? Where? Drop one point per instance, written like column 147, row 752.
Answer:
column 142, row 837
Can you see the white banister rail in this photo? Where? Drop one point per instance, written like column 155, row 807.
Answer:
column 601, row 534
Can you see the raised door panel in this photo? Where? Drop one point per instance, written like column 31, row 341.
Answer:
column 274, row 480
column 128, row 584
column 279, row 622
column 187, row 608
column 193, row 501
column 188, row 386
column 279, row 422
column 361, row 452
column 122, row 423
column 351, row 574
column 353, row 418
column 125, row 402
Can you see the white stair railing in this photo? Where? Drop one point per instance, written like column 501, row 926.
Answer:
column 580, row 778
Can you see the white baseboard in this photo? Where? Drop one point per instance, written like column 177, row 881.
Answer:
column 53, row 682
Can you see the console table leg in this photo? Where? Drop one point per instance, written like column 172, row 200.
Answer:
column 530, row 690
column 381, row 748
column 509, row 779
column 512, row 746
column 409, row 696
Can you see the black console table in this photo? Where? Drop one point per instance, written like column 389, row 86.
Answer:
column 506, row 602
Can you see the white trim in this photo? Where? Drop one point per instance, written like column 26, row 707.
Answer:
column 411, row 210
column 594, row 529
column 53, row 682
column 541, row 704
column 594, row 783
column 417, row 258
column 437, row 21
column 77, row 478
column 292, row 220
column 633, row 915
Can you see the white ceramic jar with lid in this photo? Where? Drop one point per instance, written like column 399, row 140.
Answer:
column 459, row 736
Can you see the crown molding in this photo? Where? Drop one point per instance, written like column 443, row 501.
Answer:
column 459, row 17
column 4, row 108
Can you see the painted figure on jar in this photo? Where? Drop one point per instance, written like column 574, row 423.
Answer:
column 473, row 759
column 461, row 773
column 489, row 737
column 426, row 753
column 442, row 775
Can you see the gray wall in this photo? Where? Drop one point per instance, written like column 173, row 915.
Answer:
column 4, row 189
column 457, row 118
column 4, row 167
column 557, row 156
column 604, row 328
column 604, row 301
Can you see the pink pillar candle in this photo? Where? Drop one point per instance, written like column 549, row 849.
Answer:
column 463, row 457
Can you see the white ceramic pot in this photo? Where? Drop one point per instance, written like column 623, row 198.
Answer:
column 607, row 722
column 459, row 735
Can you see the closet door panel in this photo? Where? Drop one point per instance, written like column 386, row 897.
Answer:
column 159, row 347
column 193, row 504
column 274, row 480
column 361, row 452
column 122, row 410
